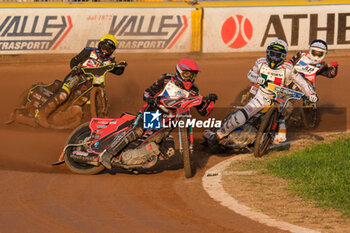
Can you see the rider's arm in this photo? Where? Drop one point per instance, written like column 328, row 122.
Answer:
column 117, row 70
column 80, row 58
column 253, row 74
column 296, row 58
column 293, row 76
column 155, row 89
column 206, row 107
column 329, row 70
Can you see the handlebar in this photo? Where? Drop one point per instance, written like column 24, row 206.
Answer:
column 170, row 104
column 164, row 109
column 98, row 71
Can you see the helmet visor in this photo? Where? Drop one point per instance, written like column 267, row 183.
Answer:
column 276, row 54
column 189, row 75
column 107, row 48
column 317, row 53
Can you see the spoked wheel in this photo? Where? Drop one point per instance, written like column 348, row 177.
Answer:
column 77, row 137
column 267, row 130
column 98, row 103
column 310, row 116
column 186, row 154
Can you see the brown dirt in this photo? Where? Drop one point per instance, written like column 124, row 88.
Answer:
column 39, row 198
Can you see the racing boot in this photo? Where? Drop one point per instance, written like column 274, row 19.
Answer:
column 210, row 136
column 281, row 136
column 51, row 105
column 107, row 155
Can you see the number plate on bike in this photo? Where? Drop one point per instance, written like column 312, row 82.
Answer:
column 98, row 80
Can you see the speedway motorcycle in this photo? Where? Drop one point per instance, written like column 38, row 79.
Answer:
column 258, row 132
column 87, row 99
column 307, row 112
column 84, row 145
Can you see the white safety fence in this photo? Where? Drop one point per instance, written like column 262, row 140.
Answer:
column 171, row 29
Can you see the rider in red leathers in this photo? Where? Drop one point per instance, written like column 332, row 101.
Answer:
column 88, row 57
column 169, row 85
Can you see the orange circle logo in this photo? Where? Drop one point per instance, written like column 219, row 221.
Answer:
column 236, row 31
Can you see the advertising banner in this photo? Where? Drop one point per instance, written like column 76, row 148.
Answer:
column 235, row 29
column 69, row 30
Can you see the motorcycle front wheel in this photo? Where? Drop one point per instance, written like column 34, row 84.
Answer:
column 267, row 130
column 186, row 154
column 77, row 137
column 98, row 102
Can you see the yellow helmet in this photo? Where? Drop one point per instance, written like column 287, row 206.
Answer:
column 108, row 43
column 111, row 38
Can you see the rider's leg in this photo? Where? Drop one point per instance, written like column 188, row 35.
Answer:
column 281, row 136
column 241, row 116
column 118, row 144
column 56, row 100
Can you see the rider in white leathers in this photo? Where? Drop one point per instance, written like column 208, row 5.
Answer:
column 273, row 69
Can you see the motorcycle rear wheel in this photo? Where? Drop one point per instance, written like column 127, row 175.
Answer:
column 76, row 137
column 186, row 154
column 267, row 130
column 98, row 103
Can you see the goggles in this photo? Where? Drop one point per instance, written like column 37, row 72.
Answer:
column 276, row 54
column 189, row 75
column 107, row 48
column 317, row 53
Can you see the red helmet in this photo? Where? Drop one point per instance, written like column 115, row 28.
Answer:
column 187, row 70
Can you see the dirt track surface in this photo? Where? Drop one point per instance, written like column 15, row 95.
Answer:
column 36, row 197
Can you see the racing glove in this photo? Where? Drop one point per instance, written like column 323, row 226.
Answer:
column 332, row 69
column 260, row 81
column 76, row 70
column 212, row 97
column 313, row 98
column 151, row 101
column 122, row 63
column 334, row 64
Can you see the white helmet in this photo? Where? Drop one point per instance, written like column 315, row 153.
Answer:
column 317, row 51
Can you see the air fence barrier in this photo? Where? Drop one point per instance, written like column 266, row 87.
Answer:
column 61, row 27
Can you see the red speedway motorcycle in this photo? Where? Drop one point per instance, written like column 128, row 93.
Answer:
column 81, row 153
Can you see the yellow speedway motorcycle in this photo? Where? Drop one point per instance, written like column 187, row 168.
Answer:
column 87, row 99
column 258, row 133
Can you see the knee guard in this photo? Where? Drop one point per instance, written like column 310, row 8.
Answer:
column 236, row 120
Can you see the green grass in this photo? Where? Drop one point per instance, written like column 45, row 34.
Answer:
column 320, row 173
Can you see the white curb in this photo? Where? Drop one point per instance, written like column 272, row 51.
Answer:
column 212, row 185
